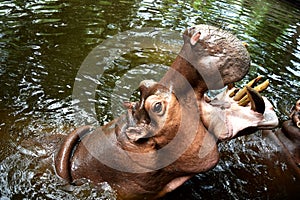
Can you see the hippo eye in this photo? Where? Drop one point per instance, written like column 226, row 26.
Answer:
column 157, row 107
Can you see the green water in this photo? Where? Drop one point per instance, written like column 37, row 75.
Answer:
column 44, row 42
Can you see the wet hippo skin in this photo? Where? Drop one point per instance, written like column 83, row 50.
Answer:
column 288, row 138
column 172, row 132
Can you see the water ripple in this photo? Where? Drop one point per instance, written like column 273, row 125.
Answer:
column 43, row 43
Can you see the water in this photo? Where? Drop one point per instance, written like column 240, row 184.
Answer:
column 43, row 44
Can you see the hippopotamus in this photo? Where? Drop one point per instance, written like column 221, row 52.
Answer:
column 172, row 132
column 288, row 138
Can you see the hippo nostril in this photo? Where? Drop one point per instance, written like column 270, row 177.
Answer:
column 130, row 119
column 191, row 29
column 195, row 38
column 141, row 116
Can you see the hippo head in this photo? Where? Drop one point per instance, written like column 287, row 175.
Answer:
column 289, row 134
column 209, row 59
column 172, row 132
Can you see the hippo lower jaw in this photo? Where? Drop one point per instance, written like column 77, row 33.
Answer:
column 62, row 161
column 226, row 119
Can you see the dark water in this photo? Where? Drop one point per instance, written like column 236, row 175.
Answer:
column 42, row 47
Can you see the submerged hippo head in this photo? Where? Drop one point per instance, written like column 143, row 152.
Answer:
column 287, row 140
column 289, row 134
column 172, row 132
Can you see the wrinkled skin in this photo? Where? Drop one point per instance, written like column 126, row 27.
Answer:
column 288, row 137
column 172, row 133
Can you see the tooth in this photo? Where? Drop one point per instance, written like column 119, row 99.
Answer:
column 234, row 92
column 245, row 100
column 262, row 86
column 256, row 100
column 243, row 91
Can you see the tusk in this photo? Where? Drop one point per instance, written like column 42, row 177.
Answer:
column 243, row 91
column 245, row 100
column 256, row 100
column 262, row 86
column 234, row 92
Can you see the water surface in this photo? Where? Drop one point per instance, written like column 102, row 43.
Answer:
column 43, row 44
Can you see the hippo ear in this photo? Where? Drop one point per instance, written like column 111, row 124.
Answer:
column 195, row 37
column 145, row 87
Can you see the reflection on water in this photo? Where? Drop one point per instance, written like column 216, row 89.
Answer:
column 42, row 46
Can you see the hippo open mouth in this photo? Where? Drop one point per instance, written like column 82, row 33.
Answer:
column 172, row 132
column 224, row 117
column 221, row 115
column 210, row 59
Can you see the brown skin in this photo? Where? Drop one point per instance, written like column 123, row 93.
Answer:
column 150, row 184
column 288, row 137
column 171, row 134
